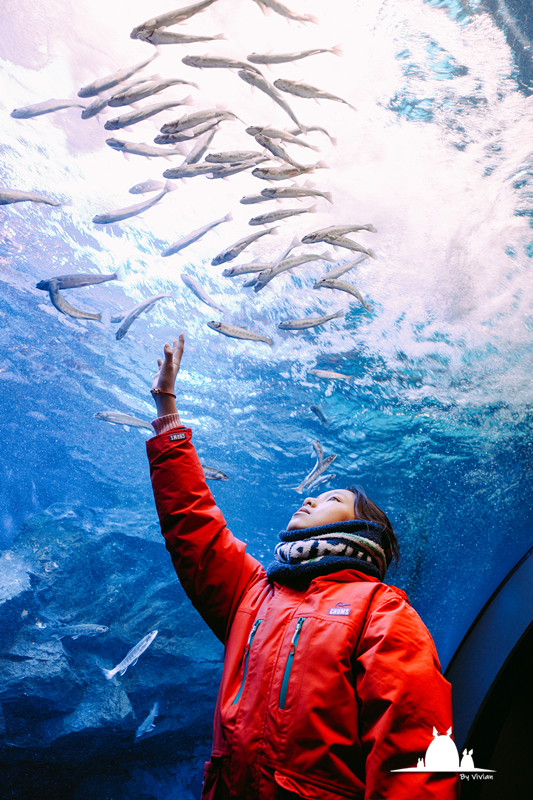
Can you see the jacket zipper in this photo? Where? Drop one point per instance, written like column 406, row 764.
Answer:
column 255, row 626
column 290, row 659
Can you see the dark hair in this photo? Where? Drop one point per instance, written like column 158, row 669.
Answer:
column 365, row 508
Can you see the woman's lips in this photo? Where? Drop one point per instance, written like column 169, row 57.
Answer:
column 302, row 511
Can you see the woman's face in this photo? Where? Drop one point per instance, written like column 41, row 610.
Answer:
column 334, row 506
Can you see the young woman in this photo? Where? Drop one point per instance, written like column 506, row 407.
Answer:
column 330, row 679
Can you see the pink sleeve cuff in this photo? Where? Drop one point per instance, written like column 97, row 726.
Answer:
column 167, row 423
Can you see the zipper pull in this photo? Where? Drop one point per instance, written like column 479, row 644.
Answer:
column 297, row 630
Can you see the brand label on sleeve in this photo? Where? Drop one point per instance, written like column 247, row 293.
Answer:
column 175, row 437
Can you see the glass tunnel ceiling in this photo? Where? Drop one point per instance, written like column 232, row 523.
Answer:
column 436, row 421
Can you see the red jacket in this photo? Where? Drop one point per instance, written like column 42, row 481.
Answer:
column 320, row 703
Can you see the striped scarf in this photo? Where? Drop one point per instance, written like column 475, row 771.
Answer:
column 352, row 544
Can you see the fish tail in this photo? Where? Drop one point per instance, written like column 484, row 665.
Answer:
column 169, row 186
column 220, row 36
column 339, row 314
column 327, row 196
column 105, row 317
column 371, row 253
column 108, row 672
column 119, row 274
column 228, row 217
column 189, row 101
column 312, row 209
column 337, row 50
column 298, row 489
column 371, row 228
column 321, row 165
column 311, row 18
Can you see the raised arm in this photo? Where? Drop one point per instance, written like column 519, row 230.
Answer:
column 212, row 565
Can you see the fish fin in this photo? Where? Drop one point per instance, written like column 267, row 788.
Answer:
column 122, row 671
column 152, row 726
column 371, row 253
column 188, row 101
column 337, row 50
column 170, row 187
column 311, row 18
column 132, row 663
column 370, row 228
column 298, row 489
column 327, row 196
column 274, row 231
column 339, row 314
column 220, row 36
column 333, row 141
column 312, row 209
column 135, row 104
column 75, row 637
column 228, row 217
column 108, row 673
column 309, row 184
column 126, row 428
column 126, row 156
column 321, row 165
column 105, row 318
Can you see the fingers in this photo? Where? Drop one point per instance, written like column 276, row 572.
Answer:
column 159, row 363
column 178, row 347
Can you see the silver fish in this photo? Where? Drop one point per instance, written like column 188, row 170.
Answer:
column 196, row 118
column 137, row 310
column 332, row 139
column 189, row 170
column 305, row 90
column 319, row 481
column 287, row 264
column 216, row 62
column 196, row 289
column 132, row 211
column 140, row 149
column 328, row 374
column 118, row 418
column 342, row 286
column 147, row 186
column 283, row 173
column 148, row 724
column 185, row 241
column 285, row 136
column 224, row 171
column 136, row 93
column 140, row 114
column 320, row 467
column 253, row 198
column 341, row 241
column 338, row 271
column 337, row 230
column 308, row 322
column 61, row 304
column 276, row 150
column 244, row 269
column 188, row 135
column 8, row 196
column 131, row 657
column 274, row 216
column 76, row 280
column 171, row 18
column 318, row 411
column 26, row 112
column 201, row 147
column 95, row 107
column 75, row 631
column 231, row 157
column 280, row 192
column 158, row 36
column 110, row 81
column 283, row 58
column 253, row 79
column 236, row 249
column 214, row 474
column 283, row 11
column 238, row 333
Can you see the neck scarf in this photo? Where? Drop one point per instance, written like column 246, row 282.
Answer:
column 304, row 554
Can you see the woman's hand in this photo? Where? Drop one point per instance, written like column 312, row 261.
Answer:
column 165, row 378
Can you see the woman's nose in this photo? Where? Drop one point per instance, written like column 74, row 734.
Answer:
column 310, row 501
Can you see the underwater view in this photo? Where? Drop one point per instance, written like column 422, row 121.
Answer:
column 213, row 174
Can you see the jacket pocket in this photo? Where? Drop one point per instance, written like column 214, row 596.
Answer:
column 288, row 665
column 314, row 791
column 255, row 626
column 211, row 776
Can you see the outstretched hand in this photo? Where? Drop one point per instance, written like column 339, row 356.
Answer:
column 165, row 377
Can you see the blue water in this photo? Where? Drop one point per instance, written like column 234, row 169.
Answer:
column 437, row 424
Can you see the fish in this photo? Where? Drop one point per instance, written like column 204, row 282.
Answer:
column 329, row 375
column 342, row 286
column 196, row 289
column 286, row 264
column 253, row 198
column 308, row 322
column 187, row 136
column 336, row 230
column 75, row 631
column 8, row 196
column 140, row 92
column 305, row 90
column 137, row 310
column 283, row 11
column 320, row 467
column 140, row 114
column 238, row 333
column 201, row 147
column 77, row 280
column 148, row 724
column 280, row 192
column 253, row 79
column 196, row 118
column 171, row 18
column 110, row 81
column 276, row 150
column 61, row 304
column 319, row 481
column 231, row 157
column 147, row 186
column 132, row 211
column 140, row 149
column 285, row 136
column 118, row 418
column 338, row 271
column 224, row 171
column 283, row 58
column 36, row 110
column 318, row 411
column 189, row 170
column 236, row 249
column 216, row 62
column 158, row 36
column 282, row 173
column 332, row 139
column 95, row 107
column 244, row 269
column 336, row 241
column 194, row 236
column 131, row 658
column 274, row 216
column 214, row 474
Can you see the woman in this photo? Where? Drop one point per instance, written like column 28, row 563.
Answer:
column 330, row 679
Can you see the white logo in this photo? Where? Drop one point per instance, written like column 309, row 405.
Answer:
column 442, row 756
